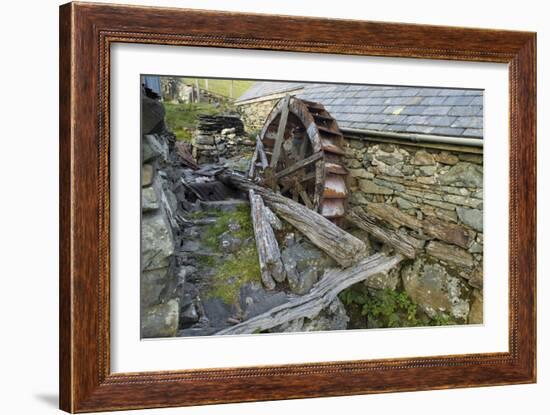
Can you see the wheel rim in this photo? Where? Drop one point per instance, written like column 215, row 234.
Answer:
column 304, row 149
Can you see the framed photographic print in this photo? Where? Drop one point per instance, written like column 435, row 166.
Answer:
column 260, row 207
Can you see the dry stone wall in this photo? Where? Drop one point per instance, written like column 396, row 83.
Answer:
column 159, row 303
column 255, row 114
column 435, row 196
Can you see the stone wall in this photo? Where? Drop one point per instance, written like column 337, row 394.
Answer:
column 159, row 302
column 255, row 114
column 158, row 299
column 435, row 196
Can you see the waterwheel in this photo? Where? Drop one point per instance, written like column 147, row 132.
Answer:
column 300, row 149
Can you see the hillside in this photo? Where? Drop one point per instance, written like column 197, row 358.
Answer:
column 222, row 86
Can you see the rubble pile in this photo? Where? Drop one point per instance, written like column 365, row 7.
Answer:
column 219, row 136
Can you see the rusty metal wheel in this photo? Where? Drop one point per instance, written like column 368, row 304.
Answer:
column 304, row 150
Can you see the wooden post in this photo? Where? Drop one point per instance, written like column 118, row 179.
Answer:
column 198, row 97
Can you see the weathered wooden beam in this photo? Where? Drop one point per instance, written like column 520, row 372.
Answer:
column 273, row 220
column 269, row 256
column 402, row 244
column 280, row 133
column 432, row 227
column 321, row 295
column 343, row 247
column 447, row 232
column 393, row 216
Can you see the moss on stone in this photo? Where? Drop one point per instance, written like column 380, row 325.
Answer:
column 241, row 216
column 237, row 270
column 230, row 272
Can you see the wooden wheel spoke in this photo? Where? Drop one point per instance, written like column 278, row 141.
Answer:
column 280, row 133
column 305, row 198
column 299, row 165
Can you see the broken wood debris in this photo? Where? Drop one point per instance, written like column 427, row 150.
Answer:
column 259, row 158
column 430, row 226
column 184, row 152
column 269, row 256
column 403, row 244
column 321, row 295
column 343, row 247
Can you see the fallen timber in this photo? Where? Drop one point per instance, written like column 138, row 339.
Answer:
column 321, row 295
column 404, row 244
column 343, row 247
column 269, row 256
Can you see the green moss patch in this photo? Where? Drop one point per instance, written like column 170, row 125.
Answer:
column 182, row 119
column 230, row 272
column 240, row 215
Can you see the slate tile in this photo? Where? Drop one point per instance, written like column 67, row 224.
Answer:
column 371, row 101
column 424, row 129
column 342, row 124
column 413, row 110
column 442, row 121
column 417, row 119
column 473, row 132
column 477, row 101
column 403, row 101
column 396, row 127
column 458, row 100
column 436, row 110
column 474, row 92
column 369, row 126
column 451, row 92
column 363, row 93
column 469, row 122
column 433, row 101
column 428, row 92
column 372, row 109
column 386, row 118
column 339, row 101
column 465, row 110
column 394, row 109
column 453, row 132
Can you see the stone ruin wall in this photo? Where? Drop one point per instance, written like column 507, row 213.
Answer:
column 159, row 299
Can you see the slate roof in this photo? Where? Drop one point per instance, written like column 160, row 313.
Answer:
column 439, row 111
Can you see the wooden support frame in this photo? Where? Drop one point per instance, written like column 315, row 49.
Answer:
column 86, row 33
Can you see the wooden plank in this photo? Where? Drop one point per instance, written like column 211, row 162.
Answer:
column 321, row 295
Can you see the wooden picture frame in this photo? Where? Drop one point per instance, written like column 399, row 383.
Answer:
column 86, row 33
